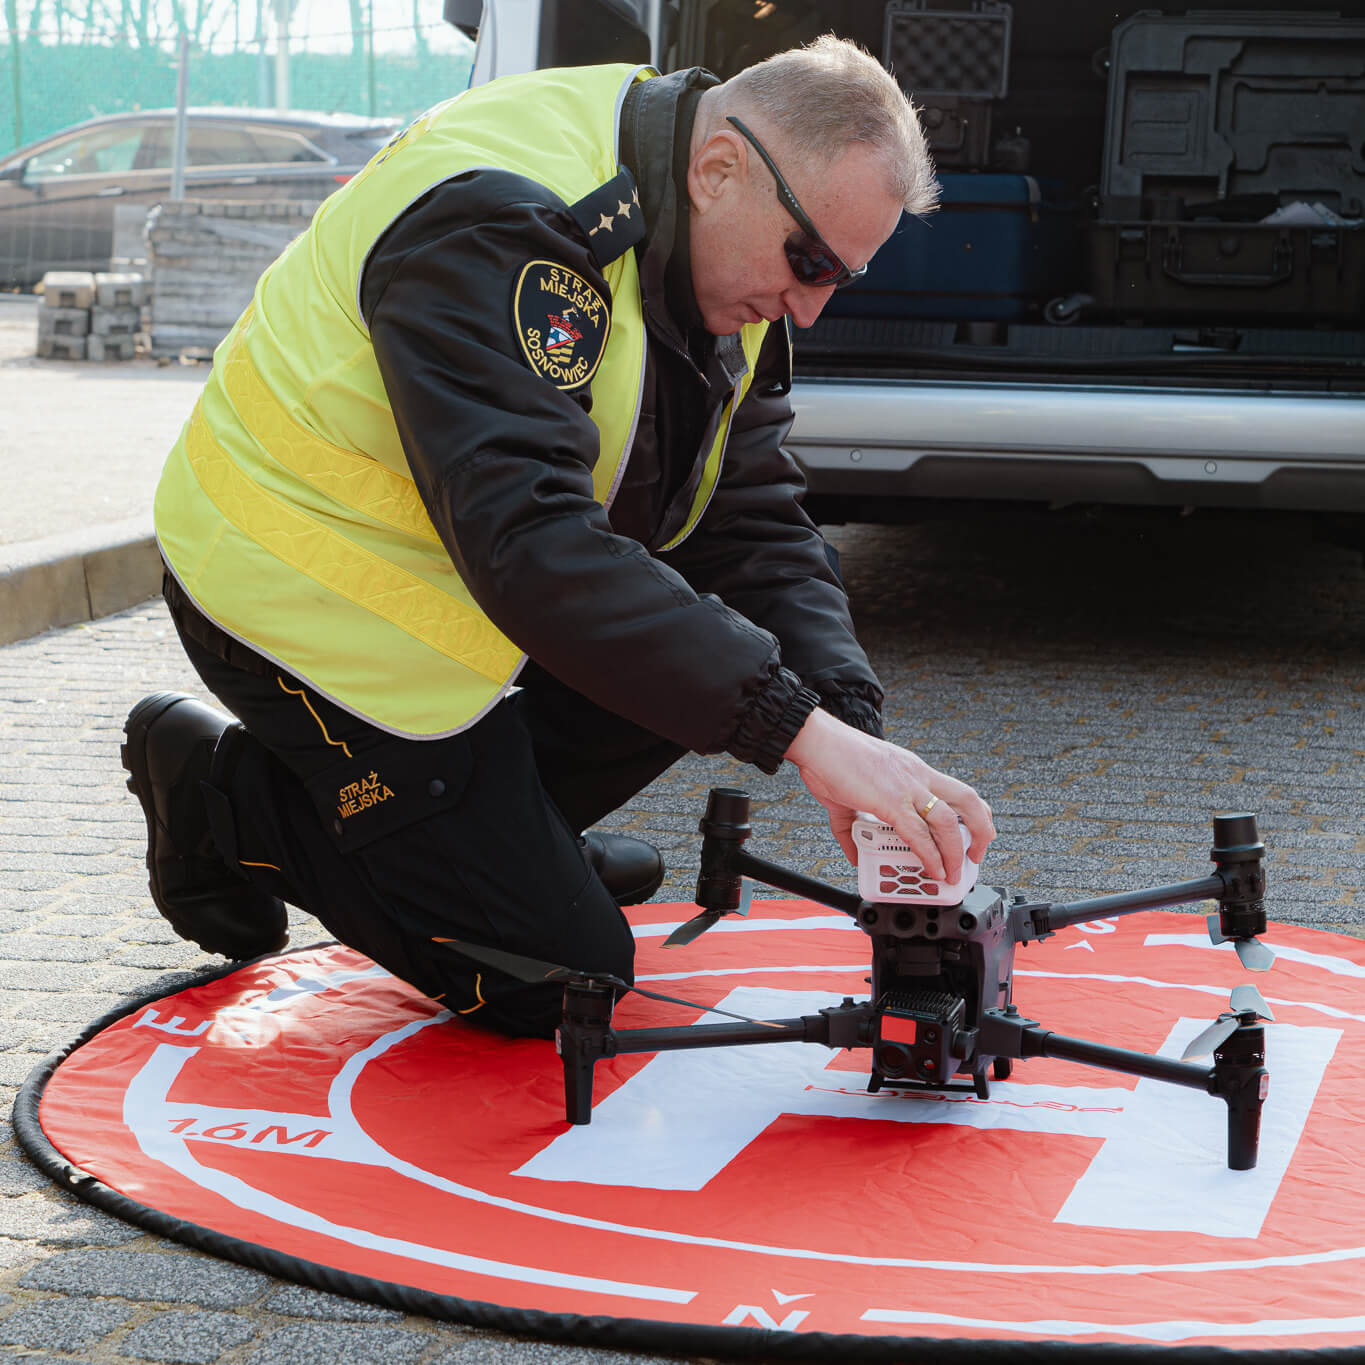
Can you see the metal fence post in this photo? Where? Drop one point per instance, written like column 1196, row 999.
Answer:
column 16, row 51
column 282, row 55
column 182, row 85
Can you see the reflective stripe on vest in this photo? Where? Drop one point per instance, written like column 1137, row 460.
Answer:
column 292, row 460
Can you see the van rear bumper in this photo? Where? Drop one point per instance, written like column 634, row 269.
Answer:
column 1075, row 443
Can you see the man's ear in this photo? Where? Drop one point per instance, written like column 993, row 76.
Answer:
column 715, row 170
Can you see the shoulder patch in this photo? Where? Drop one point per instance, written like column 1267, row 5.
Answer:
column 611, row 218
column 562, row 323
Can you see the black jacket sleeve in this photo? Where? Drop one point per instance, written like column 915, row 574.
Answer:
column 503, row 461
column 758, row 550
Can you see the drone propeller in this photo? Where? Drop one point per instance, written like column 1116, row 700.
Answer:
column 529, row 969
column 1254, row 954
column 699, row 924
column 694, row 928
column 533, row 971
column 1246, row 1000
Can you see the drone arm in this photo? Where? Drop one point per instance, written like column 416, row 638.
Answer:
column 1238, row 1075
column 1037, row 921
column 679, row 1036
column 750, row 865
column 845, row 1025
column 1006, row 1033
column 585, row 1036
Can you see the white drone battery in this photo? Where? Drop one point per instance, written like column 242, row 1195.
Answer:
column 889, row 871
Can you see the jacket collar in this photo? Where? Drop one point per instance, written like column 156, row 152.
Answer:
column 656, row 126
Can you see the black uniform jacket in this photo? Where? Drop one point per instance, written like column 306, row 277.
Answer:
column 725, row 642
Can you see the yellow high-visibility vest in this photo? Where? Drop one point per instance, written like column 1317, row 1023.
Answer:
column 287, row 509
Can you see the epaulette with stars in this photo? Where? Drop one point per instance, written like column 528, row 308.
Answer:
column 611, row 218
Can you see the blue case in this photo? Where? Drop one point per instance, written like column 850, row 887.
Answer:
column 999, row 247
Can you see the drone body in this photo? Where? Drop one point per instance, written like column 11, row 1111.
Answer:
column 935, row 973
column 940, row 1004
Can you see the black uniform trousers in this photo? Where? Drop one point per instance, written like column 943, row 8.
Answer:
column 394, row 843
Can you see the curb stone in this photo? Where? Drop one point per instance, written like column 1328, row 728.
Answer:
column 76, row 576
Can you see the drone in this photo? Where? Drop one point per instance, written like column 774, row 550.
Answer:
column 940, row 1004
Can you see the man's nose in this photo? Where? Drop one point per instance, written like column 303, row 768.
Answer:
column 804, row 303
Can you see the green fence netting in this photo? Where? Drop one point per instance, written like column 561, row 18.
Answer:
column 54, row 75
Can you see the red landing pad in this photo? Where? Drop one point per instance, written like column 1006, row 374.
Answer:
column 311, row 1115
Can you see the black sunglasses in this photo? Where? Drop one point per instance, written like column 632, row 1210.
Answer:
column 812, row 259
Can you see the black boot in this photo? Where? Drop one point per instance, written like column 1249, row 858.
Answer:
column 630, row 869
column 171, row 739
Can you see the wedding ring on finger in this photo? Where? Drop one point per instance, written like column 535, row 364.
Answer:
column 927, row 807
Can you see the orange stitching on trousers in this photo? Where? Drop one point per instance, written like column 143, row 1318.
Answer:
column 478, row 983
column 336, row 743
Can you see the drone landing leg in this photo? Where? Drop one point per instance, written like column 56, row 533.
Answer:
column 1238, row 1075
column 584, row 1036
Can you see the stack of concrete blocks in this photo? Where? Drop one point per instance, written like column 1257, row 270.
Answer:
column 64, row 318
column 116, row 318
column 205, row 257
column 89, row 316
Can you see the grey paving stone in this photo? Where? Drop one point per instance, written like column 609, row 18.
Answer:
column 20, row 878
column 1026, row 806
column 60, row 1325
column 67, row 926
column 52, row 1216
column 19, row 1177
column 49, row 948
column 14, row 1253
column 170, row 1277
column 486, row 1349
column 187, row 1338
column 1024, row 844
column 159, row 956
column 49, row 976
column 47, row 841
column 297, row 1301
column 15, row 1066
column 45, row 1038
column 326, row 1343
column 139, row 983
column 75, row 1006
column 149, row 929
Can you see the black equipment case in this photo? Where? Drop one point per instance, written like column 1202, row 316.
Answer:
column 954, row 64
column 1233, row 186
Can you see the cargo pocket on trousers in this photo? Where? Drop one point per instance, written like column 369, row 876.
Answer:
column 390, row 787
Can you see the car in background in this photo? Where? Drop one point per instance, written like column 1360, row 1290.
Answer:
column 59, row 196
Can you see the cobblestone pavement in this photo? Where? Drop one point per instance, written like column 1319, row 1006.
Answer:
column 1107, row 684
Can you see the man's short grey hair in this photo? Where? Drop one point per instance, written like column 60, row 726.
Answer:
column 831, row 93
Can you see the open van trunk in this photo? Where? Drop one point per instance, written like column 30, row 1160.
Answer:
column 1107, row 171
column 1146, row 282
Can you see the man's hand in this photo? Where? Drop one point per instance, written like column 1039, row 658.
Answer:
column 847, row 772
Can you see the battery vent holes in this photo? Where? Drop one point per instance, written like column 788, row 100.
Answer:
column 895, row 880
